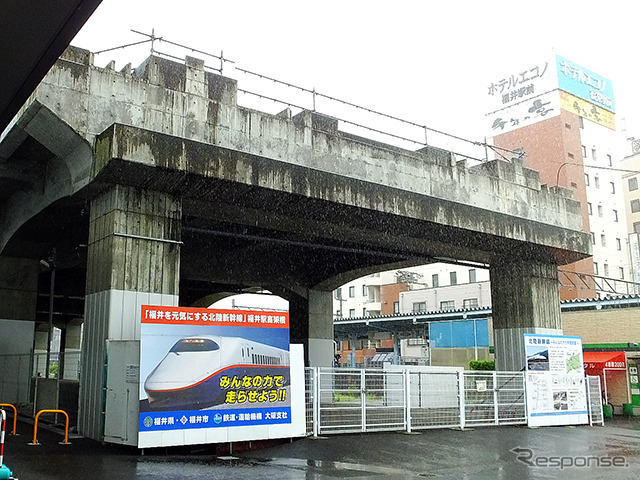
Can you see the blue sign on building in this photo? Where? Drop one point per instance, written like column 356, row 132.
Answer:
column 585, row 84
column 459, row 334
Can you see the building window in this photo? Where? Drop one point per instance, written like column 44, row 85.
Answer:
column 470, row 303
column 635, row 206
column 472, row 275
column 448, row 305
column 636, row 227
column 435, row 281
column 606, row 269
column 339, row 293
column 633, row 183
column 419, row 307
column 593, row 154
column 603, row 240
column 613, row 187
column 615, row 215
column 589, row 208
column 609, row 160
column 365, row 291
column 364, row 312
column 352, row 312
column 621, row 272
column 586, row 179
column 584, row 151
column 453, row 278
column 618, row 244
column 595, row 268
column 396, row 307
column 352, row 292
column 593, row 238
column 596, row 181
column 599, row 210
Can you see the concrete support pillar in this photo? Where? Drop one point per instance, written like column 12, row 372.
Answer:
column 40, row 341
column 73, row 335
column 525, row 299
column 133, row 259
column 312, row 325
column 321, row 346
column 18, row 288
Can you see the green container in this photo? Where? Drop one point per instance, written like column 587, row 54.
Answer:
column 607, row 411
column 630, row 409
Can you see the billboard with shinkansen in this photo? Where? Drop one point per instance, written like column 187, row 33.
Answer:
column 206, row 371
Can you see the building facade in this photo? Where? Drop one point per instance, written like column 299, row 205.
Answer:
column 630, row 180
column 382, row 293
column 560, row 118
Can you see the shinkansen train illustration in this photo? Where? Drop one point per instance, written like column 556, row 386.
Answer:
column 189, row 375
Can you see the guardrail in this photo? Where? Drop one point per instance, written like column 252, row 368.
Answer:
column 35, row 427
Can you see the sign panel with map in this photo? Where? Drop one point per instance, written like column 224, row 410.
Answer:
column 556, row 393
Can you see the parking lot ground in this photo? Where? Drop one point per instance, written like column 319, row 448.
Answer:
column 500, row 452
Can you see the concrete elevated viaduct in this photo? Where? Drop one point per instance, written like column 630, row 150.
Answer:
column 155, row 187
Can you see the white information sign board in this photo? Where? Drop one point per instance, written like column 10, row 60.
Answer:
column 555, row 381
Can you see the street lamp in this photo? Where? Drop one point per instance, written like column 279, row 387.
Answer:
column 51, row 265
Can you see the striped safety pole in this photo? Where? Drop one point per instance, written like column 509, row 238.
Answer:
column 4, row 424
column 4, row 470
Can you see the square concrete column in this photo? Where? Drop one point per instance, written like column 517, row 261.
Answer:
column 525, row 299
column 18, row 288
column 133, row 259
column 321, row 344
column 312, row 325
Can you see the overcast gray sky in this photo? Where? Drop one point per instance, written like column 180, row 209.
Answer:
column 426, row 61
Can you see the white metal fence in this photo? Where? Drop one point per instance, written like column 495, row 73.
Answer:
column 341, row 400
column 594, row 399
column 18, row 373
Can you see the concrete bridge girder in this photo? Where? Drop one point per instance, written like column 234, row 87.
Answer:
column 187, row 187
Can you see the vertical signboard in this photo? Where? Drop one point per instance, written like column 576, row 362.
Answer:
column 634, row 382
column 556, row 393
column 206, row 372
column 634, row 248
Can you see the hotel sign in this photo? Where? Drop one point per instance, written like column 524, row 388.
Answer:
column 584, row 84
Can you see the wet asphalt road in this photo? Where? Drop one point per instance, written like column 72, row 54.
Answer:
column 480, row 453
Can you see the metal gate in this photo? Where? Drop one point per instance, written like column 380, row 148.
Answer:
column 358, row 401
column 494, row 398
column 434, row 400
column 343, row 400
